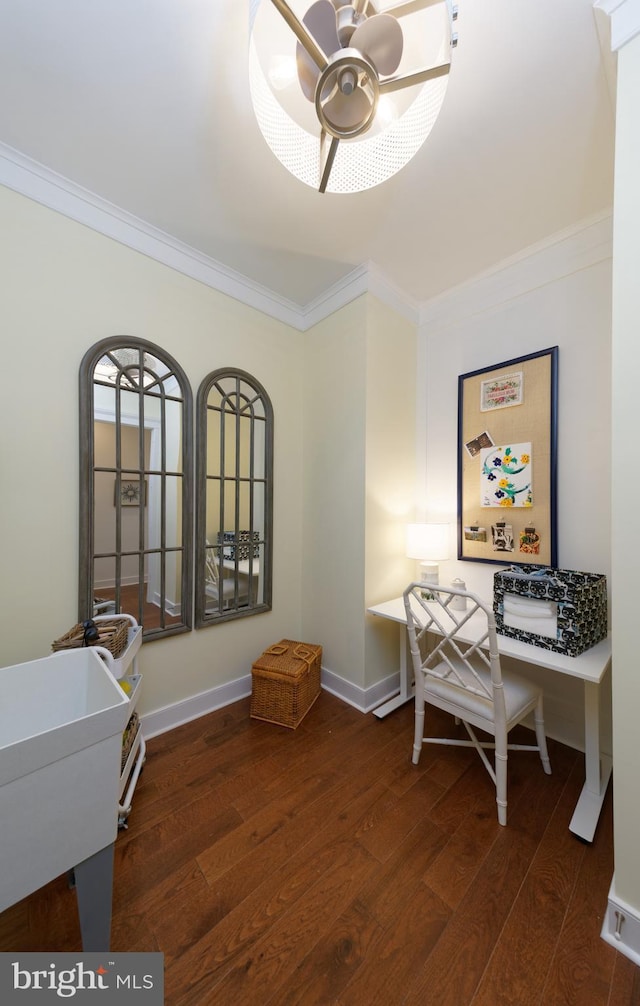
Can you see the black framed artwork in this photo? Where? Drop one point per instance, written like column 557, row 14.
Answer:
column 507, row 461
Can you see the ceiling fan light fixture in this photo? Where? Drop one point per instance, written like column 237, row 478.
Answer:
column 325, row 126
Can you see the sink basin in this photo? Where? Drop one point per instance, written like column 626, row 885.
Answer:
column 61, row 724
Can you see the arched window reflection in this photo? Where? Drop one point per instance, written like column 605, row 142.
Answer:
column 234, row 497
column 136, row 461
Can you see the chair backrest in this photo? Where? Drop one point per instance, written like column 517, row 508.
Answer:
column 212, row 566
column 464, row 641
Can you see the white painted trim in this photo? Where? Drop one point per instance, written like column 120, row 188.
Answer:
column 171, row 607
column 349, row 288
column 175, row 715
column 560, row 255
column 169, row 717
column 363, row 699
column 391, row 295
column 37, row 182
column 364, row 279
column 621, row 926
column 625, row 20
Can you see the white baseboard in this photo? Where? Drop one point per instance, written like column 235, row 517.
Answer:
column 364, row 699
column 621, row 926
column 170, row 607
column 175, row 715
column 169, row 717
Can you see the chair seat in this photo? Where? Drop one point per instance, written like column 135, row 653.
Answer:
column 456, row 665
column 520, row 695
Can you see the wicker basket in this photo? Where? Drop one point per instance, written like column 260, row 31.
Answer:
column 128, row 737
column 113, row 635
column 285, row 682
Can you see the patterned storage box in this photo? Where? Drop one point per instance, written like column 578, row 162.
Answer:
column 243, row 544
column 578, row 601
column 285, row 682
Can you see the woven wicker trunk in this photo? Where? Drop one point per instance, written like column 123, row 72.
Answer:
column 285, row 682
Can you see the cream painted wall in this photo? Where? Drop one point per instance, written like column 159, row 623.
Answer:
column 626, row 481
column 559, row 295
column 332, row 481
column 64, row 287
column 390, row 475
column 358, row 484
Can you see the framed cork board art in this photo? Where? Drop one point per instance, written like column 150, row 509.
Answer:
column 507, row 461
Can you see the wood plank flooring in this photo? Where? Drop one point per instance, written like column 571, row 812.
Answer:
column 149, row 615
column 319, row 867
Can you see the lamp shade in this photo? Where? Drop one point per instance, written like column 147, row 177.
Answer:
column 428, row 541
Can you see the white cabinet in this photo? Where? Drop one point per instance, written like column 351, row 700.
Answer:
column 125, row 669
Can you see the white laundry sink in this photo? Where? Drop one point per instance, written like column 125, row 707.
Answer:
column 61, row 724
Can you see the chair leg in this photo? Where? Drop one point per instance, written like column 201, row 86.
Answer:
column 501, row 778
column 418, row 734
column 541, row 737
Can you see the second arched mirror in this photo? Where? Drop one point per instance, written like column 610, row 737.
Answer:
column 234, row 477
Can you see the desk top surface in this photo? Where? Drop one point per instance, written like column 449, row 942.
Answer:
column 590, row 665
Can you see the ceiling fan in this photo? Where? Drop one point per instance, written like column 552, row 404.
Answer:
column 347, row 55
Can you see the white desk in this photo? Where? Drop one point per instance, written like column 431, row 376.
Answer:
column 591, row 666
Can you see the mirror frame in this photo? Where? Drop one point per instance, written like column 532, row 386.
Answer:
column 87, row 495
column 204, row 618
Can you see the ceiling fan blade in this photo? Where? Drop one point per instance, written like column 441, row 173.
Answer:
column 302, row 33
column 347, row 111
column 308, row 72
column 379, row 38
column 320, row 21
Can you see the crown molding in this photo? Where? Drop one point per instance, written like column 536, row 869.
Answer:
column 559, row 255
column 589, row 242
column 625, row 20
column 50, row 189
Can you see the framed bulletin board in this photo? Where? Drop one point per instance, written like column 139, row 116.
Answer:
column 507, row 461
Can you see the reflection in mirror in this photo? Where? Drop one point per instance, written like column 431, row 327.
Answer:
column 135, row 486
column 234, row 476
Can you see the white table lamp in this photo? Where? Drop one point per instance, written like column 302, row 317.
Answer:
column 430, row 544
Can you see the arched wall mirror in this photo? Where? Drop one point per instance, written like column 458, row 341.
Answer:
column 234, row 477
column 136, row 498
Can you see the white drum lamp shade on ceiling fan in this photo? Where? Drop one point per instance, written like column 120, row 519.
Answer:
column 346, row 93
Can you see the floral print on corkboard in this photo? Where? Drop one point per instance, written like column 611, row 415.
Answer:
column 506, row 476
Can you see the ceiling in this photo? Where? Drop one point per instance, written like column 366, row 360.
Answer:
column 146, row 104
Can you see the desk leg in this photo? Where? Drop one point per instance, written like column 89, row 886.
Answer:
column 407, row 690
column 597, row 769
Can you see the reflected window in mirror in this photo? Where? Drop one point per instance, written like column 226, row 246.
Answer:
column 136, row 526
column 234, row 476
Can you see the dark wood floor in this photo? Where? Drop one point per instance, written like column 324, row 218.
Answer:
column 148, row 615
column 319, row 866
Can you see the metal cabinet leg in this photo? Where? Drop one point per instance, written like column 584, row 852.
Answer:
column 597, row 769
column 94, row 892
column 407, row 689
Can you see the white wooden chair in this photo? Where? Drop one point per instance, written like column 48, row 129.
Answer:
column 221, row 589
column 458, row 670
